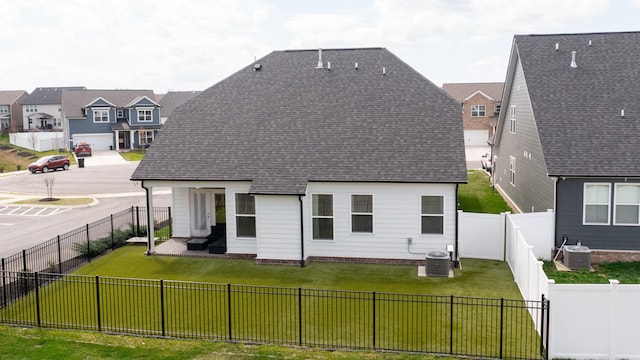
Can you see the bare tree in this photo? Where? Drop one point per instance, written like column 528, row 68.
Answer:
column 49, row 180
column 33, row 139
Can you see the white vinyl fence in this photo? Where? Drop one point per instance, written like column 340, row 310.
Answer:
column 587, row 321
column 38, row 140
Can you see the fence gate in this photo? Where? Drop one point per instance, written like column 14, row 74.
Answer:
column 481, row 236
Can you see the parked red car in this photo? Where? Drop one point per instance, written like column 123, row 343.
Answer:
column 47, row 163
column 82, row 149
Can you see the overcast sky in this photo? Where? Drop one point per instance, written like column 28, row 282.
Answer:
column 192, row 44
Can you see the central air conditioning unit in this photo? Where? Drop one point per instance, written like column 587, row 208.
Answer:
column 577, row 257
column 437, row 263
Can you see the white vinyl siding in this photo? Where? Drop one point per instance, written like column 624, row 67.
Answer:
column 627, row 204
column 278, row 225
column 596, row 204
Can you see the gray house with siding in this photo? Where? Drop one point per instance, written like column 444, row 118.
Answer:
column 306, row 155
column 111, row 119
column 568, row 135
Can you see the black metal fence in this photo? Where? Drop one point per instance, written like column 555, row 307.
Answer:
column 65, row 252
column 477, row 327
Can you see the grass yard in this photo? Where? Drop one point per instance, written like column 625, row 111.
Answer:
column 13, row 158
column 134, row 155
column 481, row 278
column 478, row 196
column 32, row 343
column 625, row 272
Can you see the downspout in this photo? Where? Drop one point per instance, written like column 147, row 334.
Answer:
column 150, row 245
column 301, row 232
column 455, row 256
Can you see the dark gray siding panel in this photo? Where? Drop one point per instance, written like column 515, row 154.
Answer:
column 86, row 126
column 533, row 190
column 569, row 219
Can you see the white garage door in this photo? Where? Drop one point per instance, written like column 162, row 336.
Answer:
column 476, row 137
column 97, row 141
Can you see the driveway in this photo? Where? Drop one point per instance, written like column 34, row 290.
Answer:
column 99, row 158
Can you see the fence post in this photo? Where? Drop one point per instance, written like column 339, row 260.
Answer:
column 133, row 222
column 544, row 323
column 37, row 297
column 137, row 221
column 24, row 260
column 4, row 285
column 170, row 224
column 501, row 325
column 300, row 316
column 59, row 256
column 98, row 303
column 112, row 233
column 451, row 326
column 229, row 309
column 162, row 305
column 374, row 320
column 88, row 243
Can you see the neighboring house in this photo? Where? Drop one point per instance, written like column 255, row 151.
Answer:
column 11, row 109
column 111, row 119
column 480, row 108
column 332, row 154
column 171, row 100
column 42, row 109
column 568, row 135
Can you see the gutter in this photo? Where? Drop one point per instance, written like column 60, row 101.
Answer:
column 455, row 250
column 301, row 232
column 149, row 214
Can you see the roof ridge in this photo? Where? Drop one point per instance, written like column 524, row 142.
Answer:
column 587, row 33
column 333, row 49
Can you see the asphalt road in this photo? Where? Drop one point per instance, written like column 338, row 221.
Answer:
column 109, row 184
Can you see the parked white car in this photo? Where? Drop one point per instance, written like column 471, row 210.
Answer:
column 487, row 164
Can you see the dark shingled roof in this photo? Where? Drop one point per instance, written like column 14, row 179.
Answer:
column 289, row 123
column 48, row 95
column 578, row 110
column 171, row 100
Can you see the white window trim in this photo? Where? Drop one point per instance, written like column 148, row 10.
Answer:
column 443, row 215
column 512, row 119
column 95, row 110
column 584, row 204
column 139, row 110
column 512, row 170
column 333, row 217
column 615, row 203
column 373, row 222
column 236, row 214
column 479, row 109
column 120, row 113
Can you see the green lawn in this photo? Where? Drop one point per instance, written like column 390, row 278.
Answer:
column 478, row 196
column 32, row 343
column 625, row 272
column 17, row 158
column 476, row 278
column 134, row 155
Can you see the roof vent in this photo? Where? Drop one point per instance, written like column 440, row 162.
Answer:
column 328, row 65
column 589, row 42
column 356, row 66
column 320, row 64
column 573, row 59
column 384, row 71
column 257, row 67
column 622, row 113
column 557, row 46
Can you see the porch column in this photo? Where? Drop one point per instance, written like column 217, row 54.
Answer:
column 117, row 140
column 151, row 244
column 131, row 139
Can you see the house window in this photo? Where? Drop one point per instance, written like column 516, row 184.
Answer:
column 145, row 115
column 497, row 108
column 4, row 108
column 362, row 213
column 245, row 215
column 627, row 204
column 322, row 216
column 32, row 108
column 432, row 214
column 512, row 170
column 596, row 204
column 478, row 110
column 146, row 137
column 57, row 122
column 119, row 113
column 100, row 115
column 512, row 119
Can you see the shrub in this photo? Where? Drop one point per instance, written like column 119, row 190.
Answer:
column 97, row 247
